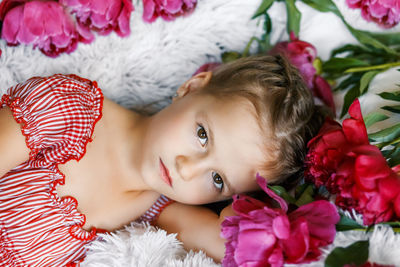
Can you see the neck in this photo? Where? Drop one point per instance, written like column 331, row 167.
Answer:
column 132, row 130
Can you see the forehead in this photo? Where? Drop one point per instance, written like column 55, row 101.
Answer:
column 237, row 140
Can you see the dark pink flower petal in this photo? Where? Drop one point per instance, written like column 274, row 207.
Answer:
column 386, row 13
column 354, row 127
column 167, row 9
column 7, row 5
column 44, row 24
column 102, row 16
column 275, row 259
column 244, row 204
column 396, row 204
column 262, row 182
column 207, row 67
column 264, row 236
column 296, row 247
column 302, row 55
column 389, row 188
column 12, row 25
column 281, row 227
column 323, row 91
column 366, row 175
column 321, row 217
column 254, row 246
column 149, row 14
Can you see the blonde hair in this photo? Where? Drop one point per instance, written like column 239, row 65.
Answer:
column 284, row 105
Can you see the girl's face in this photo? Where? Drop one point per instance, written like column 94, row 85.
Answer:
column 201, row 149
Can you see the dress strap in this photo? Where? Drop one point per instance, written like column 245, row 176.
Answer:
column 152, row 214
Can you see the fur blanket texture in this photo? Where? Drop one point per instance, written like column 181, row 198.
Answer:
column 142, row 72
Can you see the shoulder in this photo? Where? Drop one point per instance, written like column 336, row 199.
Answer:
column 13, row 149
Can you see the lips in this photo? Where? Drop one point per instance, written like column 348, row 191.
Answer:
column 164, row 173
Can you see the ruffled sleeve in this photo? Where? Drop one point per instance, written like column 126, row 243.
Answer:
column 58, row 115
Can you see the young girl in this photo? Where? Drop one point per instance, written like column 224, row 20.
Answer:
column 84, row 163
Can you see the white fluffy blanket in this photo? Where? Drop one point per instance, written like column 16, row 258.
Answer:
column 143, row 70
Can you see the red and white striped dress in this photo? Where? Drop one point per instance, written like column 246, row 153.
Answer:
column 58, row 115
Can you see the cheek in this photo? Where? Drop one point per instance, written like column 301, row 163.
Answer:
column 196, row 194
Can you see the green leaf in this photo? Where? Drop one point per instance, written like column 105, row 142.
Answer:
column 374, row 117
column 264, row 44
column 394, row 109
column 386, row 135
column 351, row 80
column 387, row 38
column 281, row 191
column 263, row 8
column 366, row 79
column 230, row 56
column 338, row 64
column 355, row 49
column 390, row 96
column 394, row 158
column 306, row 197
column 375, row 40
column 293, row 17
column 300, row 189
column 367, row 39
column 349, row 97
column 323, row 6
column 392, row 224
column 347, row 224
column 355, row 254
column 267, row 24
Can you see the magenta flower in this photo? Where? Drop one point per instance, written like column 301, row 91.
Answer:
column 44, row 24
column 167, row 9
column 102, row 16
column 207, row 67
column 386, row 13
column 302, row 55
column 263, row 236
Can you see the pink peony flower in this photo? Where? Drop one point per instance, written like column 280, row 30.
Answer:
column 167, row 9
column 342, row 159
column 263, row 236
column 302, row 55
column 44, row 24
column 386, row 13
column 102, row 16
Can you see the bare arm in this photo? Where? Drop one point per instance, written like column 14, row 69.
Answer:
column 197, row 227
column 13, row 149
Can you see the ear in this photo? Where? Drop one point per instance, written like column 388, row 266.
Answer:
column 194, row 84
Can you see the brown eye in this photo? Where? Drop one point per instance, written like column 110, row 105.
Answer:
column 202, row 135
column 217, row 180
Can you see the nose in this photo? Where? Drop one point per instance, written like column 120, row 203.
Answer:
column 188, row 167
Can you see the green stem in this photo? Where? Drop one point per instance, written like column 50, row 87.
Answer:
column 376, row 67
column 247, row 48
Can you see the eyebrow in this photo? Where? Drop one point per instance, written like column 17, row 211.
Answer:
column 229, row 189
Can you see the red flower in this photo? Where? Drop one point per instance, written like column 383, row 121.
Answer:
column 167, row 9
column 341, row 159
column 44, row 24
column 302, row 55
column 263, row 236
